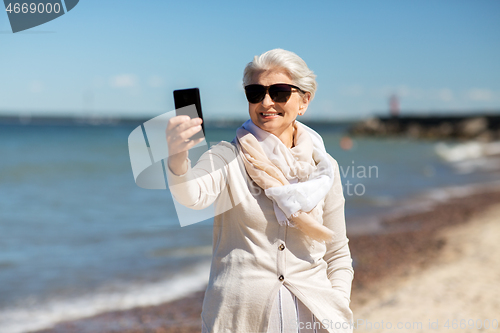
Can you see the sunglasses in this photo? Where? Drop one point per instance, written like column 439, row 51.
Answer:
column 279, row 93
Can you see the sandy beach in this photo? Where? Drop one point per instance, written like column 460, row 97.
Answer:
column 437, row 271
column 457, row 291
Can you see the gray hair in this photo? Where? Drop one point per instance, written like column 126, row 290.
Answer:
column 292, row 64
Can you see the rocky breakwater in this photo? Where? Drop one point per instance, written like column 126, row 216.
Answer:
column 463, row 127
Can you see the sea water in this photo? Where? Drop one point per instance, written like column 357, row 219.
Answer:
column 78, row 237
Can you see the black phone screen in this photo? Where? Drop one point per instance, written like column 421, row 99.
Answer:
column 185, row 97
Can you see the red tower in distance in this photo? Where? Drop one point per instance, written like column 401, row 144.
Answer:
column 394, row 105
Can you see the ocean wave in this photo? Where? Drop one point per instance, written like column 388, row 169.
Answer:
column 42, row 316
column 483, row 164
column 467, row 151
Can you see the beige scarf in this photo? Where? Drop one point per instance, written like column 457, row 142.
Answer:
column 295, row 179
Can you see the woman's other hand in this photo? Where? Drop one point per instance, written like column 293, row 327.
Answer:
column 179, row 130
column 306, row 223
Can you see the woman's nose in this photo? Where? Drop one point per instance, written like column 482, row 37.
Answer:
column 267, row 101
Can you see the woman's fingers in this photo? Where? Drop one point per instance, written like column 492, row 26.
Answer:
column 181, row 123
column 176, row 121
column 179, row 131
column 188, row 144
column 182, row 139
column 187, row 133
column 312, row 228
column 182, row 128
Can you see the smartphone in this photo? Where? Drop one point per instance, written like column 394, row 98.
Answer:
column 185, row 97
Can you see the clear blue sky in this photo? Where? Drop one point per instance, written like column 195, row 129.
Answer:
column 125, row 57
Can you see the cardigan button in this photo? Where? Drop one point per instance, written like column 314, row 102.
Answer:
column 281, row 247
column 281, row 278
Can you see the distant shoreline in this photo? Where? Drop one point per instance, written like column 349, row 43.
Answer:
column 474, row 124
column 459, row 127
column 463, row 126
column 137, row 121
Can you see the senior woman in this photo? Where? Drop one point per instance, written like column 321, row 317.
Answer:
column 281, row 261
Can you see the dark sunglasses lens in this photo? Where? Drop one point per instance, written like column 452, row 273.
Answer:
column 280, row 93
column 255, row 93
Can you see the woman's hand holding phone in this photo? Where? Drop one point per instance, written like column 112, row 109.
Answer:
column 179, row 131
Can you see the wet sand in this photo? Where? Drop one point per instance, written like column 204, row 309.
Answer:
column 435, row 265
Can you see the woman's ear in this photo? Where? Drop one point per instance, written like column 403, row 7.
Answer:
column 304, row 103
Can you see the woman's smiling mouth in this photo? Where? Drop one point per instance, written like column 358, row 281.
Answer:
column 270, row 114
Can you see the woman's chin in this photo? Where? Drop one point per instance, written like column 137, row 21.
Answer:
column 272, row 124
column 269, row 126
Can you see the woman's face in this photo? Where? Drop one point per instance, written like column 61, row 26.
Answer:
column 277, row 118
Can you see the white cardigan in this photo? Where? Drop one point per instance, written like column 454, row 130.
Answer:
column 253, row 255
